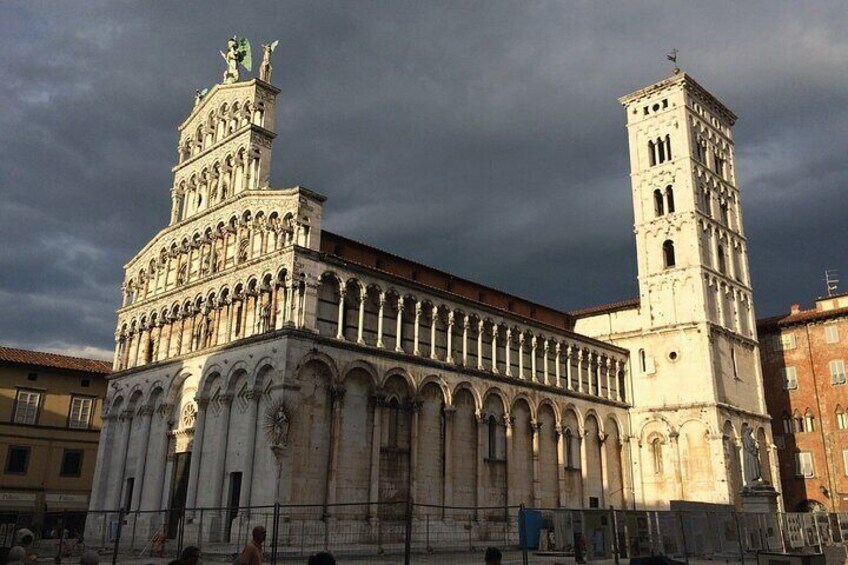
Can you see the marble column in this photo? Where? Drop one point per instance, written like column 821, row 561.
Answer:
column 465, row 324
column 533, row 344
column 253, row 397
column 360, row 327
column 481, row 451
column 495, row 348
column 579, row 370
column 399, row 326
column 449, row 413
column 480, row 326
column 535, row 431
column 121, row 456
column 508, row 352
column 557, row 364
column 415, row 408
column 521, row 340
column 560, row 449
column 434, row 316
column 569, row 384
column 376, row 436
column 337, row 395
column 340, row 324
column 223, row 432
column 415, row 329
column 545, row 352
column 146, row 414
column 380, row 319
column 449, row 338
column 196, row 452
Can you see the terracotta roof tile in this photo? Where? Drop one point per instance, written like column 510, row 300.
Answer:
column 53, row 360
column 801, row 317
column 605, row 308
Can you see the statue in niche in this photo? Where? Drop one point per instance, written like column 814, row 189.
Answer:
column 265, row 316
column 265, row 68
column 238, row 53
column 181, row 275
column 753, row 468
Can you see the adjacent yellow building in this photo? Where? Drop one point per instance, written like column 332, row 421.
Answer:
column 50, row 423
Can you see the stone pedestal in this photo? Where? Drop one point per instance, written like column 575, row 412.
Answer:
column 759, row 497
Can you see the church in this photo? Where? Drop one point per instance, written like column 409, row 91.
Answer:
column 261, row 359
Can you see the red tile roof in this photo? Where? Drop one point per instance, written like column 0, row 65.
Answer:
column 800, row 318
column 606, row 308
column 373, row 258
column 53, row 361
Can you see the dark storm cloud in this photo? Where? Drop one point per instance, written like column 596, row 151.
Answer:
column 483, row 138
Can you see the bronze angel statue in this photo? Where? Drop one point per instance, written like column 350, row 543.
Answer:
column 238, row 53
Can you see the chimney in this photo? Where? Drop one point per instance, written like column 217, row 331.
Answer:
column 796, row 309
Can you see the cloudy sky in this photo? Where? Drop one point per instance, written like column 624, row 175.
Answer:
column 483, row 138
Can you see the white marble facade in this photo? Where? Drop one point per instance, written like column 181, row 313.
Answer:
column 299, row 367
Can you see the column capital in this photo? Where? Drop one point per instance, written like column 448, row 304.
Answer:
column 547, row 345
column 558, row 348
column 382, row 298
column 450, row 318
column 337, row 393
column 145, row 410
column 449, row 411
column 202, row 402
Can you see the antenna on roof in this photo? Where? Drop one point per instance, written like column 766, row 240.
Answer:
column 831, row 281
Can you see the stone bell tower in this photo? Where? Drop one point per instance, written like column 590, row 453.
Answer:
column 225, row 146
column 692, row 253
column 697, row 383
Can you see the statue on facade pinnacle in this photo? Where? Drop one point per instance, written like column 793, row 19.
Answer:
column 265, row 68
column 238, row 53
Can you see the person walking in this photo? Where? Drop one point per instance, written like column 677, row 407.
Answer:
column 190, row 555
column 493, row 556
column 322, row 558
column 252, row 552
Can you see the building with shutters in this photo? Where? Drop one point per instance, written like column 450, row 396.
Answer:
column 804, row 354
column 50, row 409
column 261, row 358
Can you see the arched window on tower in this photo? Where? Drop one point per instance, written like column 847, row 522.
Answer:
column 668, row 253
column 656, row 455
column 661, row 154
column 788, row 426
column 721, row 260
column 799, row 422
column 707, row 202
column 669, row 198
column 658, row 203
column 809, row 421
column 668, row 147
column 652, row 153
column 841, row 418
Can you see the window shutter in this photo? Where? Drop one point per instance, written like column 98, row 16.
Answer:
column 790, row 378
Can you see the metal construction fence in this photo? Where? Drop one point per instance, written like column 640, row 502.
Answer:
column 405, row 532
